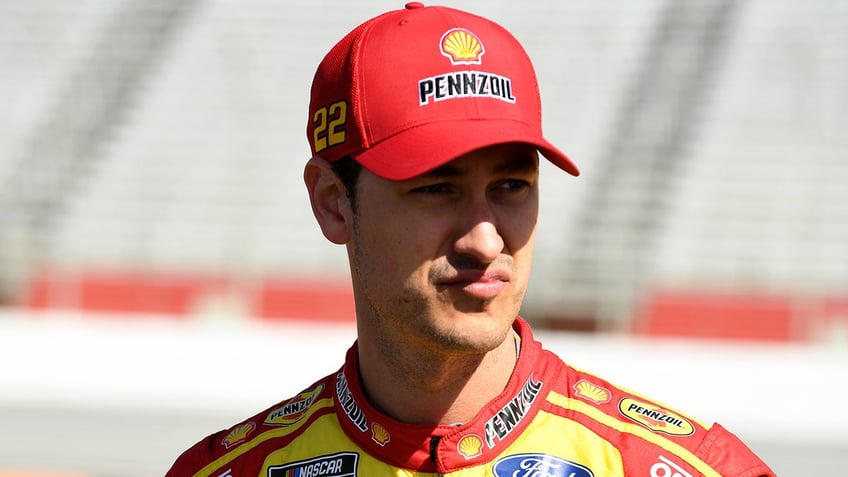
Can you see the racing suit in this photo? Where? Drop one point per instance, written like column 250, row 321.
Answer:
column 551, row 421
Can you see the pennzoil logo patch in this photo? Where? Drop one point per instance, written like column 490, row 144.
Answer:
column 499, row 426
column 655, row 418
column 464, row 84
column 342, row 464
column 293, row 409
column 463, row 48
column 349, row 405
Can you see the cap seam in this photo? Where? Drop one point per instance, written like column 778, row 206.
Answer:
column 358, row 58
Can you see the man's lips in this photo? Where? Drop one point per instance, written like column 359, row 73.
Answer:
column 478, row 283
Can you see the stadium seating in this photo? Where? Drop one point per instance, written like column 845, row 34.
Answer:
column 196, row 171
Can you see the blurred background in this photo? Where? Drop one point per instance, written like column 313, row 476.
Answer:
column 161, row 275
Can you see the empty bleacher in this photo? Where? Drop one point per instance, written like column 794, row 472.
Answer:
column 764, row 203
column 710, row 136
column 761, row 208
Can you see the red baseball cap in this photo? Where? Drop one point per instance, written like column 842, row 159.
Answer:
column 410, row 90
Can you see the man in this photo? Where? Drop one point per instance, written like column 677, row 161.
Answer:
column 425, row 125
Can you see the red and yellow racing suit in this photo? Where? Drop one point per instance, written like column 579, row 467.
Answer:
column 551, row 421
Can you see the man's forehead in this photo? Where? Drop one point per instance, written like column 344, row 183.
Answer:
column 499, row 158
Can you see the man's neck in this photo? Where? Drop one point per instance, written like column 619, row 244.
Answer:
column 422, row 388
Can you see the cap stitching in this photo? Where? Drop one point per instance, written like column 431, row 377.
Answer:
column 358, row 103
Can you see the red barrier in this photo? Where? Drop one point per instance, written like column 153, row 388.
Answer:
column 719, row 315
column 672, row 313
column 278, row 298
column 189, row 294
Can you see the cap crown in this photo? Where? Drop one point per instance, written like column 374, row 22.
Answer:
column 432, row 78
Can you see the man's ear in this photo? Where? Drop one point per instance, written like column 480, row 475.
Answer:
column 330, row 203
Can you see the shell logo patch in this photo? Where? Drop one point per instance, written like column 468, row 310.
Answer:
column 592, row 392
column 238, row 434
column 655, row 418
column 462, row 47
column 294, row 409
column 470, row 446
column 380, row 434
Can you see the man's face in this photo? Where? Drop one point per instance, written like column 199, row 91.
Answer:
column 442, row 260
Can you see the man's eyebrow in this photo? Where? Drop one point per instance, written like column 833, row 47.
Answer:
column 446, row 170
column 523, row 163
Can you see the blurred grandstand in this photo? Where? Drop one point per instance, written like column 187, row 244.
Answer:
column 151, row 156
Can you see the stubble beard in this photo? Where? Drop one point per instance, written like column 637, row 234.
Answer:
column 412, row 319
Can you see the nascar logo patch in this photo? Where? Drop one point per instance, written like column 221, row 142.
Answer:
column 342, row 464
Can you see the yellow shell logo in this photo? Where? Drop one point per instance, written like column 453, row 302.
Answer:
column 470, row 446
column 238, row 434
column 462, row 47
column 380, row 434
column 592, row 392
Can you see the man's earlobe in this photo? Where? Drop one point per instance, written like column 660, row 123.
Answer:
column 330, row 204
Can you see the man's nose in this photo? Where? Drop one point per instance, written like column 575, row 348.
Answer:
column 478, row 235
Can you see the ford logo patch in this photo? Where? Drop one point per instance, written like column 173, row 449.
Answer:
column 539, row 465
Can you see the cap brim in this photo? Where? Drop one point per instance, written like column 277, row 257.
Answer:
column 425, row 147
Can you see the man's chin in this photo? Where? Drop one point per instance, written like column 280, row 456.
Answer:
column 478, row 332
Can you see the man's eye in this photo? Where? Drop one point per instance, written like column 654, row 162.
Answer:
column 513, row 184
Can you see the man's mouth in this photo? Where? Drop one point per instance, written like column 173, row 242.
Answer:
column 478, row 283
